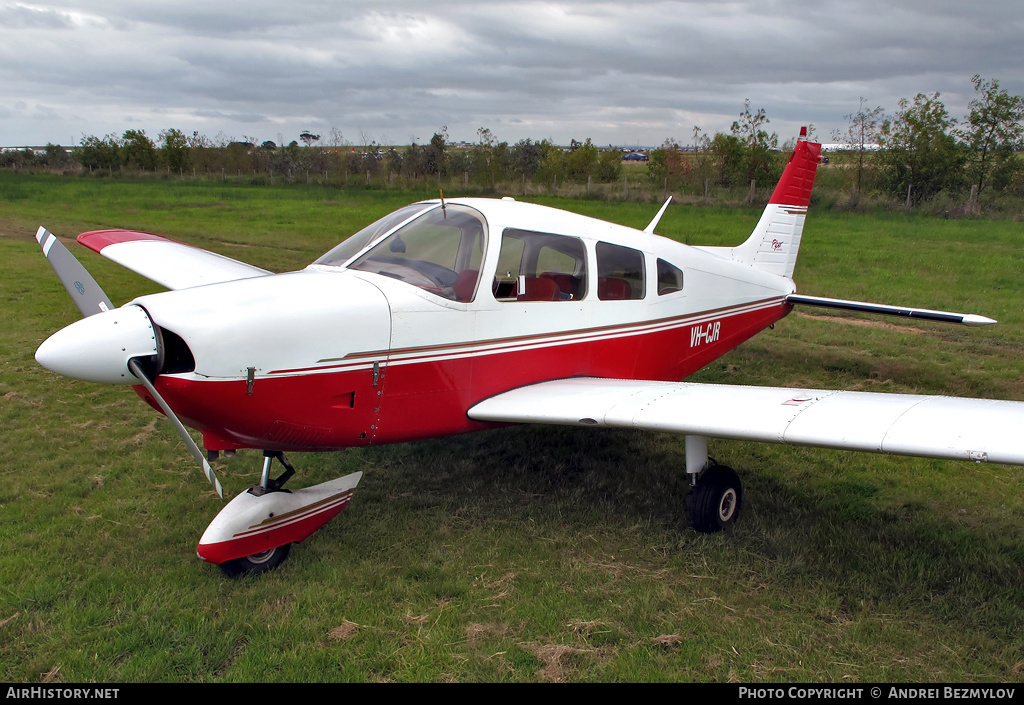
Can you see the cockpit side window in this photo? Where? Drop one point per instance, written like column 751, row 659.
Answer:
column 670, row 278
column 362, row 239
column 440, row 252
column 535, row 266
column 620, row 272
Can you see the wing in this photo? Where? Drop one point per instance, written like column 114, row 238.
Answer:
column 166, row 262
column 901, row 424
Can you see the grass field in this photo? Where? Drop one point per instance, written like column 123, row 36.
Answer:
column 468, row 559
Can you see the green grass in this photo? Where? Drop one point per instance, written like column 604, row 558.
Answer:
column 528, row 553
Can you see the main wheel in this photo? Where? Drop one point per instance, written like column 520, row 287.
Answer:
column 256, row 563
column 716, row 501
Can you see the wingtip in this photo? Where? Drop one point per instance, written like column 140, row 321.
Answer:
column 972, row 319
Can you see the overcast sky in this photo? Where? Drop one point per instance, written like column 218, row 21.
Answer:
column 623, row 73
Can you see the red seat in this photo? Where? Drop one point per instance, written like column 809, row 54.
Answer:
column 613, row 289
column 465, row 284
column 568, row 285
column 539, row 289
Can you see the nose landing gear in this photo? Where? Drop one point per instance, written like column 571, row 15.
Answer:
column 254, row 532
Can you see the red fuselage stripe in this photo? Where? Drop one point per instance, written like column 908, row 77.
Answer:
column 428, row 392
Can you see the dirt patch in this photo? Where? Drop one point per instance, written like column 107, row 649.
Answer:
column 22, row 399
column 863, row 322
column 557, row 659
column 476, row 631
column 345, row 631
column 142, row 436
column 668, row 641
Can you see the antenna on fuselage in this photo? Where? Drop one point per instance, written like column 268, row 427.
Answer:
column 654, row 223
column 443, row 211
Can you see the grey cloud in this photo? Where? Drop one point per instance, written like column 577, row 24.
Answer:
column 17, row 16
column 406, row 68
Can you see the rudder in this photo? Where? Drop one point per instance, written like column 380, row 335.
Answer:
column 775, row 242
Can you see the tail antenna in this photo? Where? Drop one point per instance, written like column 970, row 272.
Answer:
column 803, row 135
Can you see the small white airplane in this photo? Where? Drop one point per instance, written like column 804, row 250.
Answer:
column 458, row 315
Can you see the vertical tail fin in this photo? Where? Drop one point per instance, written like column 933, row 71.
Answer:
column 775, row 241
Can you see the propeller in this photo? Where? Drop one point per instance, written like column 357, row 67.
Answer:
column 84, row 290
column 89, row 349
column 204, row 465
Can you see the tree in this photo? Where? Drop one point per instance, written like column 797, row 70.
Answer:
column 138, row 151
column 919, row 151
column 435, row 154
column 609, row 167
column 483, row 155
column 525, row 157
column 308, row 137
column 176, row 149
column 757, row 143
column 668, row 162
column 99, row 153
column 552, row 162
column 863, row 130
column 994, row 129
column 582, row 160
column 56, row 156
column 728, row 158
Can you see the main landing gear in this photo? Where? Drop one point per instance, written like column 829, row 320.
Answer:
column 716, row 494
column 254, row 532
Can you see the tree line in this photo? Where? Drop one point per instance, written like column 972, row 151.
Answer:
column 913, row 155
column 484, row 164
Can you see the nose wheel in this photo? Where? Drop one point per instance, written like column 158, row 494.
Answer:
column 256, row 563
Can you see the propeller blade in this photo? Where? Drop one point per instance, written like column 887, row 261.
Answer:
column 136, row 369
column 84, row 290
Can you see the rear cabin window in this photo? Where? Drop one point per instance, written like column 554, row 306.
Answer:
column 535, row 266
column 670, row 278
column 439, row 252
column 620, row 272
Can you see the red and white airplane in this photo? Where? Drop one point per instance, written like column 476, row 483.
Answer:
column 457, row 315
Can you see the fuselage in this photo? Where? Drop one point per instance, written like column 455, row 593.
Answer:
column 396, row 340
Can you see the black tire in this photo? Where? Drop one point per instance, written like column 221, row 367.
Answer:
column 716, row 500
column 256, row 563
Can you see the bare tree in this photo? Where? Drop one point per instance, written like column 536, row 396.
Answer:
column 864, row 130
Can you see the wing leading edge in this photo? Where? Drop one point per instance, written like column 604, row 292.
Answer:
column 900, row 424
column 166, row 262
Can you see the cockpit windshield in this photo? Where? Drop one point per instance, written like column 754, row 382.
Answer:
column 440, row 252
column 358, row 242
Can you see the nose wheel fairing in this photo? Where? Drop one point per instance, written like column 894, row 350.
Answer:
column 252, row 525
